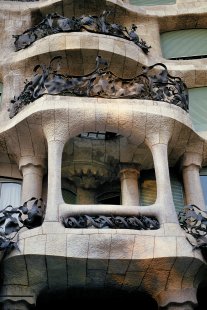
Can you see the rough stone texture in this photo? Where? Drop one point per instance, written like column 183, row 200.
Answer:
column 151, row 134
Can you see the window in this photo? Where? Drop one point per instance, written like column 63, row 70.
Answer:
column 68, row 191
column 184, row 44
column 203, row 177
column 151, row 2
column 198, row 107
column 68, row 196
column 177, row 190
column 148, row 189
column 112, row 198
column 109, row 193
column 10, row 193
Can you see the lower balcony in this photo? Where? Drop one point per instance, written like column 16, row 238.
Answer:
column 160, row 266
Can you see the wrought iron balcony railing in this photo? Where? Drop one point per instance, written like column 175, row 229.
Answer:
column 55, row 23
column 12, row 220
column 114, row 222
column 159, row 86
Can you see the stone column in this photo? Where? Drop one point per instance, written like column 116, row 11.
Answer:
column 129, row 174
column 191, row 165
column 164, row 191
column 19, row 305
column 183, row 299
column 32, row 170
column 54, row 194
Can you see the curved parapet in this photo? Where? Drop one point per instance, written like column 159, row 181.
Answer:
column 100, row 82
column 91, row 258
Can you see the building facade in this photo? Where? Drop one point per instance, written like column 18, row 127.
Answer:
column 103, row 116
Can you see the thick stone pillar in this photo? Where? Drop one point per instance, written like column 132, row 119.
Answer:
column 54, row 194
column 32, row 170
column 191, row 165
column 183, row 299
column 129, row 184
column 164, row 191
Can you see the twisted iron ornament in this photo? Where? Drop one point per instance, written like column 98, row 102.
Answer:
column 12, row 220
column 115, row 222
column 55, row 23
column 194, row 221
column 102, row 83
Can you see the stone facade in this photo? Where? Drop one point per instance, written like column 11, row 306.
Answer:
column 42, row 144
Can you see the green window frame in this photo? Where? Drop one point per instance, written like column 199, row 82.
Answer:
column 203, row 178
column 184, row 44
column 198, row 108
column 148, row 189
column 151, row 2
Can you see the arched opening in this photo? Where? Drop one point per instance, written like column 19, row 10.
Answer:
column 62, row 299
column 201, row 296
column 90, row 169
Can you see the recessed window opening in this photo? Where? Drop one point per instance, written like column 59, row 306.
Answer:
column 99, row 135
column 198, row 108
column 151, row 2
column 184, row 44
column 10, row 193
column 203, row 178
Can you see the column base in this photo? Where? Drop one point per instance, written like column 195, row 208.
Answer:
column 18, row 305
column 185, row 299
column 184, row 306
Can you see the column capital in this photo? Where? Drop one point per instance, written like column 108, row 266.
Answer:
column 191, row 158
column 26, row 161
column 129, row 167
column 14, row 305
column 180, row 299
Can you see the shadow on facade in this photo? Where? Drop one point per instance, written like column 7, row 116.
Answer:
column 59, row 299
column 201, row 296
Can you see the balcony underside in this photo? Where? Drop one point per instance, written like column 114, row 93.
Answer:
column 131, row 260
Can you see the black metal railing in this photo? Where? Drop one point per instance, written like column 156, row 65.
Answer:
column 155, row 83
column 194, row 221
column 114, row 222
column 12, row 220
column 55, row 23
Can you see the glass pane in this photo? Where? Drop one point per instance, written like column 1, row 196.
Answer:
column 198, row 107
column 204, row 186
column 184, row 43
column 10, row 195
column 148, row 188
column 68, row 196
column 177, row 191
column 151, row 2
